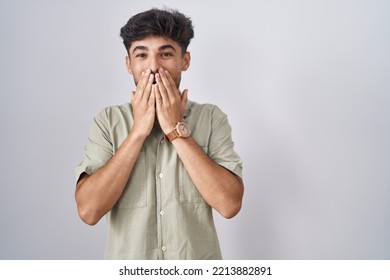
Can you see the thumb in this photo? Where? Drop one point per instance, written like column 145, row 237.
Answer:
column 184, row 99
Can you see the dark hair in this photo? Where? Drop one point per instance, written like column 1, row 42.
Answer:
column 166, row 23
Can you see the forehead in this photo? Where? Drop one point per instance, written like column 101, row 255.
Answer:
column 153, row 43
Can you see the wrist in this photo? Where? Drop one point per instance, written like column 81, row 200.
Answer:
column 180, row 130
column 139, row 134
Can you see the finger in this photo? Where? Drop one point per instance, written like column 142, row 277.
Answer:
column 155, row 93
column 170, row 87
column 148, row 88
column 184, row 100
column 170, row 79
column 143, row 81
column 161, row 89
column 152, row 98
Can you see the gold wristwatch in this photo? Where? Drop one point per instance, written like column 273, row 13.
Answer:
column 181, row 130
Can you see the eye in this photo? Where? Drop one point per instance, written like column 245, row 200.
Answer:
column 140, row 55
column 167, row 54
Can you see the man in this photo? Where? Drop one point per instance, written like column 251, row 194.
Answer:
column 157, row 167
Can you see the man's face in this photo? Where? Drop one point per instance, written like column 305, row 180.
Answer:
column 154, row 53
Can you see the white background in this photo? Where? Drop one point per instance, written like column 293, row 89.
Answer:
column 306, row 88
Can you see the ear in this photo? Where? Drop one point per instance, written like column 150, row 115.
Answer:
column 128, row 65
column 186, row 61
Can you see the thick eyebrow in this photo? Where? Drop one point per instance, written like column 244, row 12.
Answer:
column 141, row 48
column 163, row 47
column 166, row 47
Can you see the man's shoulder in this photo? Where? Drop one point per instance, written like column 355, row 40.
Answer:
column 199, row 108
column 114, row 110
column 194, row 104
column 126, row 107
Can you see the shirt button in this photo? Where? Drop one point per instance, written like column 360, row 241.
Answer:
column 161, row 175
column 162, row 213
column 163, row 248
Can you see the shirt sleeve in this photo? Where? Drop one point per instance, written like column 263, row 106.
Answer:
column 99, row 148
column 221, row 145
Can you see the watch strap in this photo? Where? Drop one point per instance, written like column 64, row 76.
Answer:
column 172, row 135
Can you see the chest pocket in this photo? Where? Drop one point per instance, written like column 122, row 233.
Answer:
column 134, row 194
column 188, row 191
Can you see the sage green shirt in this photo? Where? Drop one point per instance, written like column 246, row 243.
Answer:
column 161, row 214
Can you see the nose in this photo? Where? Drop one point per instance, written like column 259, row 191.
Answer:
column 154, row 64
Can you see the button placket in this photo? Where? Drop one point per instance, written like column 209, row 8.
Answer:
column 159, row 176
column 161, row 173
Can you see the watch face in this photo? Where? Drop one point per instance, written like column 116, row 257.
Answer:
column 183, row 129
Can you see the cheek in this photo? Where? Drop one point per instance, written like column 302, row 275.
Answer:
column 175, row 71
column 173, row 66
column 136, row 76
column 137, row 73
column 137, row 67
